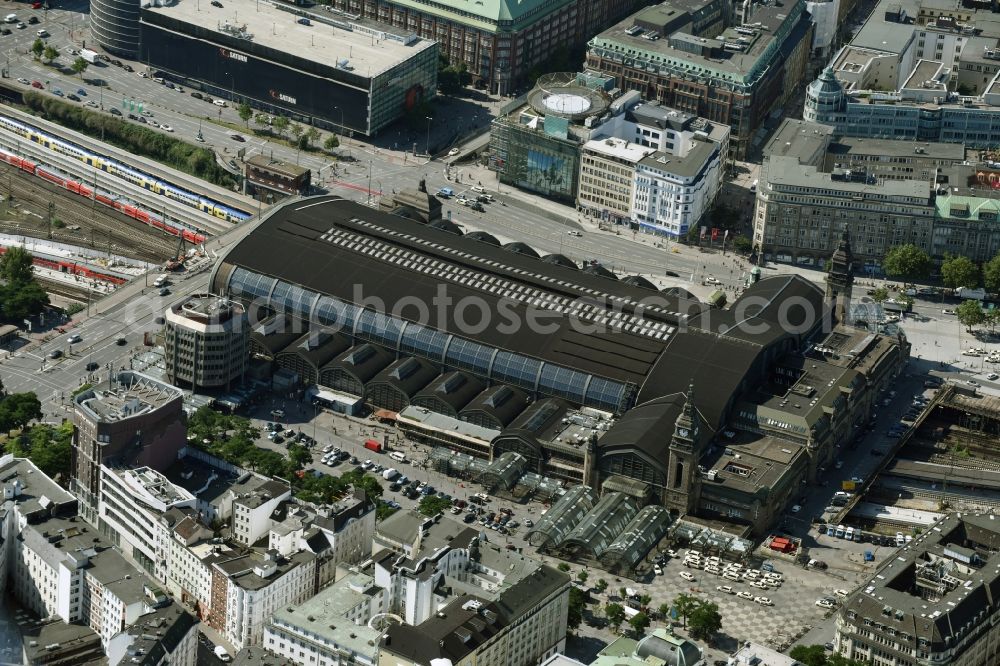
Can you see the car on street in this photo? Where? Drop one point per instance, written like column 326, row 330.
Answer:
column 743, row 594
column 42, row 33
column 948, row 311
column 57, row 92
column 763, row 601
column 992, row 376
column 73, row 98
column 55, row 353
column 115, row 112
column 34, row 20
column 973, row 382
column 687, row 576
column 93, row 365
column 23, row 81
column 81, row 92
column 725, row 589
column 216, row 3
column 796, row 508
column 237, row 137
column 91, row 103
column 841, row 593
column 144, row 75
column 73, row 339
column 196, row 95
column 166, row 128
column 21, row 25
column 220, row 102
column 5, row 31
column 453, row 152
column 574, row 232
column 657, row 569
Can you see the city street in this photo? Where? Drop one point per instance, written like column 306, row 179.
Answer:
column 375, row 168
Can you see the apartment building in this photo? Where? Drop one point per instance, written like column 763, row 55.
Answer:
column 930, row 604
column 607, row 177
column 453, row 581
column 331, row 628
column 702, row 59
column 189, row 578
column 252, row 510
column 60, row 566
column 672, row 193
column 131, row 420
column 339, row 534
column 131, row 509
column 248, row 587
column 653, row 167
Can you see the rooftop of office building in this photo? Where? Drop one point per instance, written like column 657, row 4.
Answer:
column 126, row 395
column 362, row 47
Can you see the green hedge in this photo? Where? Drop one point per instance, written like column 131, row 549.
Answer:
column 133, row 137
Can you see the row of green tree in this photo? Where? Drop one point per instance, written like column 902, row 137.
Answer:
column 817, row 655
column 46, row 445
column 233, row 438
column 20, row 294
column 135, row 138
column 909, row 262
column 303, row 137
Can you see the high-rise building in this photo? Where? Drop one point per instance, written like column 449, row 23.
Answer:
column 206, row 342
column 131, row 420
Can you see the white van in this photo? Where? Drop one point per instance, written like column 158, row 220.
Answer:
column 753, row 188
column 390, row 474
column 397, row 456
column 479, row 189
column 221, row 654
column 11, row 18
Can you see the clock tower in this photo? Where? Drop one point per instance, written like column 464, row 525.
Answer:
column 681, row 495
column 840, row 278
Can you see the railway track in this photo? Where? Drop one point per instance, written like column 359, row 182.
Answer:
column 954, row 499
column 965, row 463
column 62, row 289
column 99, row 226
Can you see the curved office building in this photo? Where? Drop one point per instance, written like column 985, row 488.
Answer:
column 115, row 26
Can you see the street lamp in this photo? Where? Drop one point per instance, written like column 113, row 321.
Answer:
column 427, row 146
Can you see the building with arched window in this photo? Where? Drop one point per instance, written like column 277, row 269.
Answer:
column 579, row 377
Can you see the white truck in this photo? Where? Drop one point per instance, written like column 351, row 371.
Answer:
column 88, row 55
column 390, row 474
column 976, row 294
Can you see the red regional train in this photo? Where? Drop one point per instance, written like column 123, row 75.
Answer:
column 64, row 265
column 101, row 197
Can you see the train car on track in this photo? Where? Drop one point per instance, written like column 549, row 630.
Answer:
column 135, row 176
column 76, row 267
column 124, row 206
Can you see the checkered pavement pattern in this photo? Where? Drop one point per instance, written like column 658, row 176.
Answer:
column 793, row 613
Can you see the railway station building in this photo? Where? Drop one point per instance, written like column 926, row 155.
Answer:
column 579, row 376
column 349, row 75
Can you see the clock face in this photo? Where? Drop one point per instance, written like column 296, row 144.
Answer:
column 683, row 432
